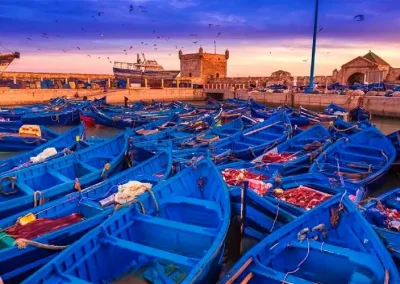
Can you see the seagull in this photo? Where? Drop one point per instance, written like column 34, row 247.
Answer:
column 99, row 57
column 99, row 13
column 44, row 33
column 218, row 26
column 56, row 21
column 155, row 48
column 125, row 50
column 219, row 34
column 142, row 7
column 176, row 47
column 39, row 49
column 108, row 57
column 130, row 8
column 78, row 47
column 154, row 44
column 209, row 25
column 196, row 41
column 29, row 38
column 143, row 11
column 145, row 44
column 328, row 52
column 305, row 60
column 64, row 50
column 320, row 30
column 89, row 55
column 110, row 61
column 45, row 36
column 83, row 30
column 169, row 54
column 359, row 18
column 130, row 47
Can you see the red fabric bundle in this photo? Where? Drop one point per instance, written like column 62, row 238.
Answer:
column 42, row 226
column 277, row 158
column 304, row 197
column 236, row 177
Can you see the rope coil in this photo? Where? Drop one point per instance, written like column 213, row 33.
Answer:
column 22, row 243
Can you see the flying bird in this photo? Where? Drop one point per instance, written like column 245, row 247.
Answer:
column 210, row 25
column 110, row 61
column 108, row 57
column 78, row 47
column 193, row 35
column 320, row 30
column 125, row 50
column 99, row 57
column 99, row 13
column 130, row 47
column 219, row 34
column 169, row 54
column 83, row 30
column 64, row 50
column 45, row 36
column 142, row 7
column 176, row 47
column 154, row 44
column 305, row 60
column 155, row 48
column 89, row 55
column 56, row 21
column 143, row 11
column 154, row 32
column 44, row 33
column 195, row 41
column 218, row 26
column 39, row 49
column 130, row 8
column 359, row 18
column 29, row 38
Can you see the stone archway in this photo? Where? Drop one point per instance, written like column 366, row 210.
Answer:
column 357, row 77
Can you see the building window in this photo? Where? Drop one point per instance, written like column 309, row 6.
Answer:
column 212, row 76
column 190, row 74
column 217, row 75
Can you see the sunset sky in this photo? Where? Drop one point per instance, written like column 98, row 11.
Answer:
column 262, row 35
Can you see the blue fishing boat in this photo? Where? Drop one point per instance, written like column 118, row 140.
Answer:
column 347, row 161
column 332, row 243
column 175, row 234
column 296, row 154
column 395, row 139
column 383, row 213
column 67, row 116
column 28, row 187
column 207, row 136
column 24, row 138
column 359, row 114
column 255, row 140
column 50, row 227
column 340, row 128
column 295, row 118
column 333, row 109
column 67, row 140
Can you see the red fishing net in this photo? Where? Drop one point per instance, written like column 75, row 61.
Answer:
column 303, row 196
column 42, row 226
column 236, row 177
column 277, row 158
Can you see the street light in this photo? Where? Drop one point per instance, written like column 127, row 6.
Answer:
column 310, row 87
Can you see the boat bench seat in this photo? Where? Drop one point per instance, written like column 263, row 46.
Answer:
column 150, row 251
column 195, row 202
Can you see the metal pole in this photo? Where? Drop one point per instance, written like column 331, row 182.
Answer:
column 310, row 87
column 243, row 204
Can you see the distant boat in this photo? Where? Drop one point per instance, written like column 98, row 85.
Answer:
column 144, row 69
column 6, row 59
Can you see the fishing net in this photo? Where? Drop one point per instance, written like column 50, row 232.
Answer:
column 302, row 196
column 42, row 226
column 277, row 158
column 235, row 177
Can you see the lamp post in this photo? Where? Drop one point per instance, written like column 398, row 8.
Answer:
column 310, row 87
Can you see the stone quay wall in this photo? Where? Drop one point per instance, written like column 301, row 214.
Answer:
column 380, row 106
column 15, row 97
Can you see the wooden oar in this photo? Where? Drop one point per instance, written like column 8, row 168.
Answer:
column 262, row 128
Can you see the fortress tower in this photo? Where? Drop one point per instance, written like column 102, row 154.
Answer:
column 204, row 65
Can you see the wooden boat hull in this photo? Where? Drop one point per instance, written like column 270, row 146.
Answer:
column 69, row 117
column 11, row 141
column 17, row 264
column 27, row 187
column 191, row 243
column 365, row 166
column 64, row 141
column 317, row 247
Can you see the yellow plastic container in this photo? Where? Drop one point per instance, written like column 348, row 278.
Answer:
column 28, row 218
column 30, row 130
